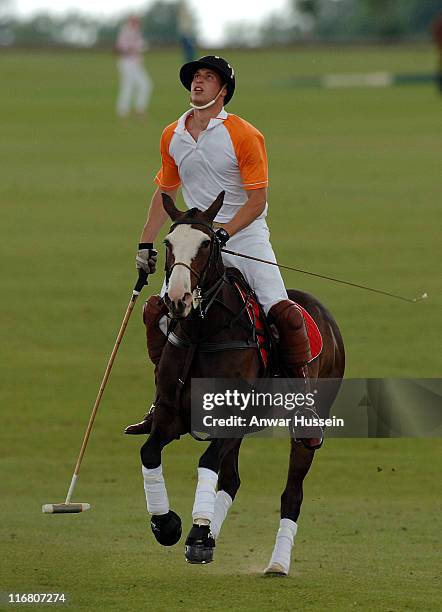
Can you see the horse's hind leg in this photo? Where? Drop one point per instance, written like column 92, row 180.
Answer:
column 165, row 523
column 210, row 508
column 299, row 464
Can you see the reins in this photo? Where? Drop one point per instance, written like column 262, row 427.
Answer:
column 210, row 294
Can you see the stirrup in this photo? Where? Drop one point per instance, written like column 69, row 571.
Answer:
column 315, row 441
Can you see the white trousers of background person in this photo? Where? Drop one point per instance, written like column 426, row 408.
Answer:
column 135, row 86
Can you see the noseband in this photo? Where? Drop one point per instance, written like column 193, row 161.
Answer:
column 180, row 263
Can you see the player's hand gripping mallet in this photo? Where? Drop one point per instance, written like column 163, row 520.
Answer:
column 68, row 507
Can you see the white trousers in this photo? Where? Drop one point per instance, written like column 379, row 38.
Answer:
column 135, row 86
column 265, row 280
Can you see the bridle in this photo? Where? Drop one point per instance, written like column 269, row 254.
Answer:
column 210, row 293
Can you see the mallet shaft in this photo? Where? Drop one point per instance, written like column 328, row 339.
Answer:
column 71, row 489
column 142, row 280
column 104, row 381
column 424, row 296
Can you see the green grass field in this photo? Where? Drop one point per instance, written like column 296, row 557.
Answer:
column 355, row 193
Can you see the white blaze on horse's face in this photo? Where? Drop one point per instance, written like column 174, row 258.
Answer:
column 185, row 242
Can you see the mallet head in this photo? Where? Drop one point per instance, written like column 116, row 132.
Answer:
column 64, row 508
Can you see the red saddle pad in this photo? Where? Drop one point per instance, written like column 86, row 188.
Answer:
column 254, row 312
column 314, row 335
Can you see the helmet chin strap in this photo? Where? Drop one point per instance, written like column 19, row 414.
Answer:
column 209, row 104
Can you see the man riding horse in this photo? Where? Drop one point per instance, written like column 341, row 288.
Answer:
column 206, row 151
column 220, row 162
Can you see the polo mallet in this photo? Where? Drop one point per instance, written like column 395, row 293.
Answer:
column 424, row 296
column 67, row 507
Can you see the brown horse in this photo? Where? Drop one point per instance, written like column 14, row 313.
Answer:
column 212, row 337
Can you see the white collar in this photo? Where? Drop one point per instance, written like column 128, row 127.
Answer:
column 214, row 121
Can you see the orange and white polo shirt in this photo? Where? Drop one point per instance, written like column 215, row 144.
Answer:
column 229, row 156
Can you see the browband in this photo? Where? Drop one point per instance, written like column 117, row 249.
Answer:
column 192, row 222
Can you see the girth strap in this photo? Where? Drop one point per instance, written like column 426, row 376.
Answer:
column 212, row 347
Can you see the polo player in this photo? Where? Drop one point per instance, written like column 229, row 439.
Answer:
column 206, row 151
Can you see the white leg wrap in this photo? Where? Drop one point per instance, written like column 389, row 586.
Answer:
column 223, row 502
column 155, row 489
column 203, row 507
column 280, row 561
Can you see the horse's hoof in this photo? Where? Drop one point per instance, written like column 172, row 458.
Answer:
column 199, row 545
column 275, row 569
column 166, row 528
column 198, row 554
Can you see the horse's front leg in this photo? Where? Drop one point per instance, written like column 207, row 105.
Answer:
column 165, row 523
column 210, row 507
column 299, row 464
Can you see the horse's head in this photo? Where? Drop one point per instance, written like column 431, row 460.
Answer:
column 192, row 252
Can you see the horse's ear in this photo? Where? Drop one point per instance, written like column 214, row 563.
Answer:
column 170, row 208
column 214, row 208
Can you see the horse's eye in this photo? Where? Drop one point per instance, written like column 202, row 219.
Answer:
column 167, row 243
column 205, row 244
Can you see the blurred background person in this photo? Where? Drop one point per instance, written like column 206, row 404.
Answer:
column 437, row 35
column 135, row 83
column 186, row 31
